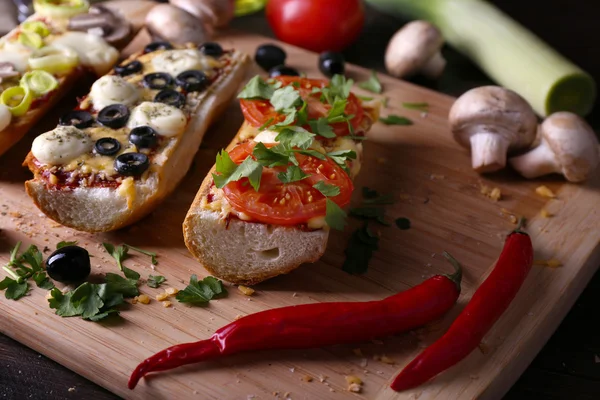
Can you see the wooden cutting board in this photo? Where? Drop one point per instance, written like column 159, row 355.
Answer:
column 431, row 179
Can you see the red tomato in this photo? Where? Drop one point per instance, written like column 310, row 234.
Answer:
column 287, row 204
column 317, row 25
column 258, row 112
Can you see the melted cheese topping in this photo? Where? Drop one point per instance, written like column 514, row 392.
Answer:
column 92, row 50
column 175, row 62
column 112, row 89
column 166, row 120
column 61, row 145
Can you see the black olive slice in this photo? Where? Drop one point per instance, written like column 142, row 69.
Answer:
column 170, row 97
column 269, row 56
column 158, row 80
column 154, row 46
column 107, row 146
column 128, row 69
column 131, row 164
column 283, row 70
column 331, row 63
column 192, row 80
column 144, row 137
column 78, row 118
column 69, row 264
column 114, row 116
column 211, row 49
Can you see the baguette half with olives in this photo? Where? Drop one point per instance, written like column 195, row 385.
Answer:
column 133, row 138
column 43, row 57
column 268, row 204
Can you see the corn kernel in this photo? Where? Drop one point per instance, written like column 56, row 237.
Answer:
column 172, row 291
column 162, row 296
column 166, row 304
column 144, row 299
column 246, row 290
column 545, row 192
column 353, row 379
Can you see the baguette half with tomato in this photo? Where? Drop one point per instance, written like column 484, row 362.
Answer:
column 133, row 138
column 268, row 204
column 43, row 57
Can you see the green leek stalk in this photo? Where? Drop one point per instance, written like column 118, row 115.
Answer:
column 510, row 54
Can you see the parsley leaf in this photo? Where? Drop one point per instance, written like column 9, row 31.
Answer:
column 372, row 84
column 153, row 259
column 336, row 114
column 365, row 98
column 126, row 286
column 16, row 290
column 86, row 300
column 359, row 251
column 372, row 196
column 312, row 153
column 275, row 156
column 295, row 136
column 257, row 88
column 118, row 253
column 322, row 128
column 16, row 285
column 302, row 114
column 42, row 281
column 375, row 213
column 290, row 116
column 395, row 120
column 266, row 124
column 247, row 169
column 292, row 174
column 340, row 156
column 335, row 217
column 285, row 98
column 62, row 244
column 403, row 223
column 417, row 106
column 327, row 190
column 155, row 281
column 201, row 292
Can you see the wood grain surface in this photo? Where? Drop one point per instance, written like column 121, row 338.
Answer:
column 430, row 177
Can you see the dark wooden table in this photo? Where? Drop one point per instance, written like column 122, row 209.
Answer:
column 568, row 367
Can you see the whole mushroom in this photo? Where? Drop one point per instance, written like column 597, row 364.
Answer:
column 415, row 49
column 110, row 24
column 568, row 146
column 170, row 23
column 217, row 13
column 491, row 121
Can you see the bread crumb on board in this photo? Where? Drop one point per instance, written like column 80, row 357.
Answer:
column 142, row 298
column 493, row 193
column 246, row 290
column 545, row 213
column 545, row 191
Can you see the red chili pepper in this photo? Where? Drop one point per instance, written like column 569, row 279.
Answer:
column 316, row 325
column 486, row 306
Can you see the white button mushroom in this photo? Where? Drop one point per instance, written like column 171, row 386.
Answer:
column 568, row 146
column 173, row 24
column 492, row 121
column 415, row 49
column 217, row 13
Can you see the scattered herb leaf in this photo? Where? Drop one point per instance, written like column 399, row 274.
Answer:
column 285, row 98
column 374, row 213
column 417, row 106
column 372, row 84
column 153, row 260
column 395, row 120
column 62, row 244
column 154, row 281
column 326, row 189
column 229, row 171
column 335, row 217
column 359, row 250
column 201, row 292
column 292, row 174
column 257, row 88
column 322, row 128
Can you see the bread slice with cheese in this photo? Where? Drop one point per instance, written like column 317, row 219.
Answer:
column 233, row 247
column 43, row 44
column 78, row 185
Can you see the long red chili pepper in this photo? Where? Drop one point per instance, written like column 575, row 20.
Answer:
column 316, row 325
column 486, row 306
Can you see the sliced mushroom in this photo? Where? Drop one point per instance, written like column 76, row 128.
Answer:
column 415, row 49
column 101, row 21
column 172, row 24
column 492, row 121
column 217, row 13
column 568, row 146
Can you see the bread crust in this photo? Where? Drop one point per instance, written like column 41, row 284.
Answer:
column 106, row 209
column 266, row 250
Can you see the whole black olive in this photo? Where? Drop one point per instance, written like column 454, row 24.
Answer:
column 128, row 69
column 192, row 81
column 157, row 46
column 170, row 97
column 269, row 56
column 211, row 49
column 78, row 118
column 158, row 80
column 107, row 146
column 144, row 137
column 331, row 63
column 114, row 116
column 132, row 164
column 69, row 264
column 283, row 70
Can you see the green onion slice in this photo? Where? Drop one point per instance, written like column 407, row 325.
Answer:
column 55, row 59
column 30, row 39
column 60, row 8
column 38, row 27
column 18, row 100
column 39, row 82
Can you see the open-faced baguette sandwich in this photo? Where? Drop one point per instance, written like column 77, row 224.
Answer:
column 274, row 193
column 133, row 138
column 42, row 58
